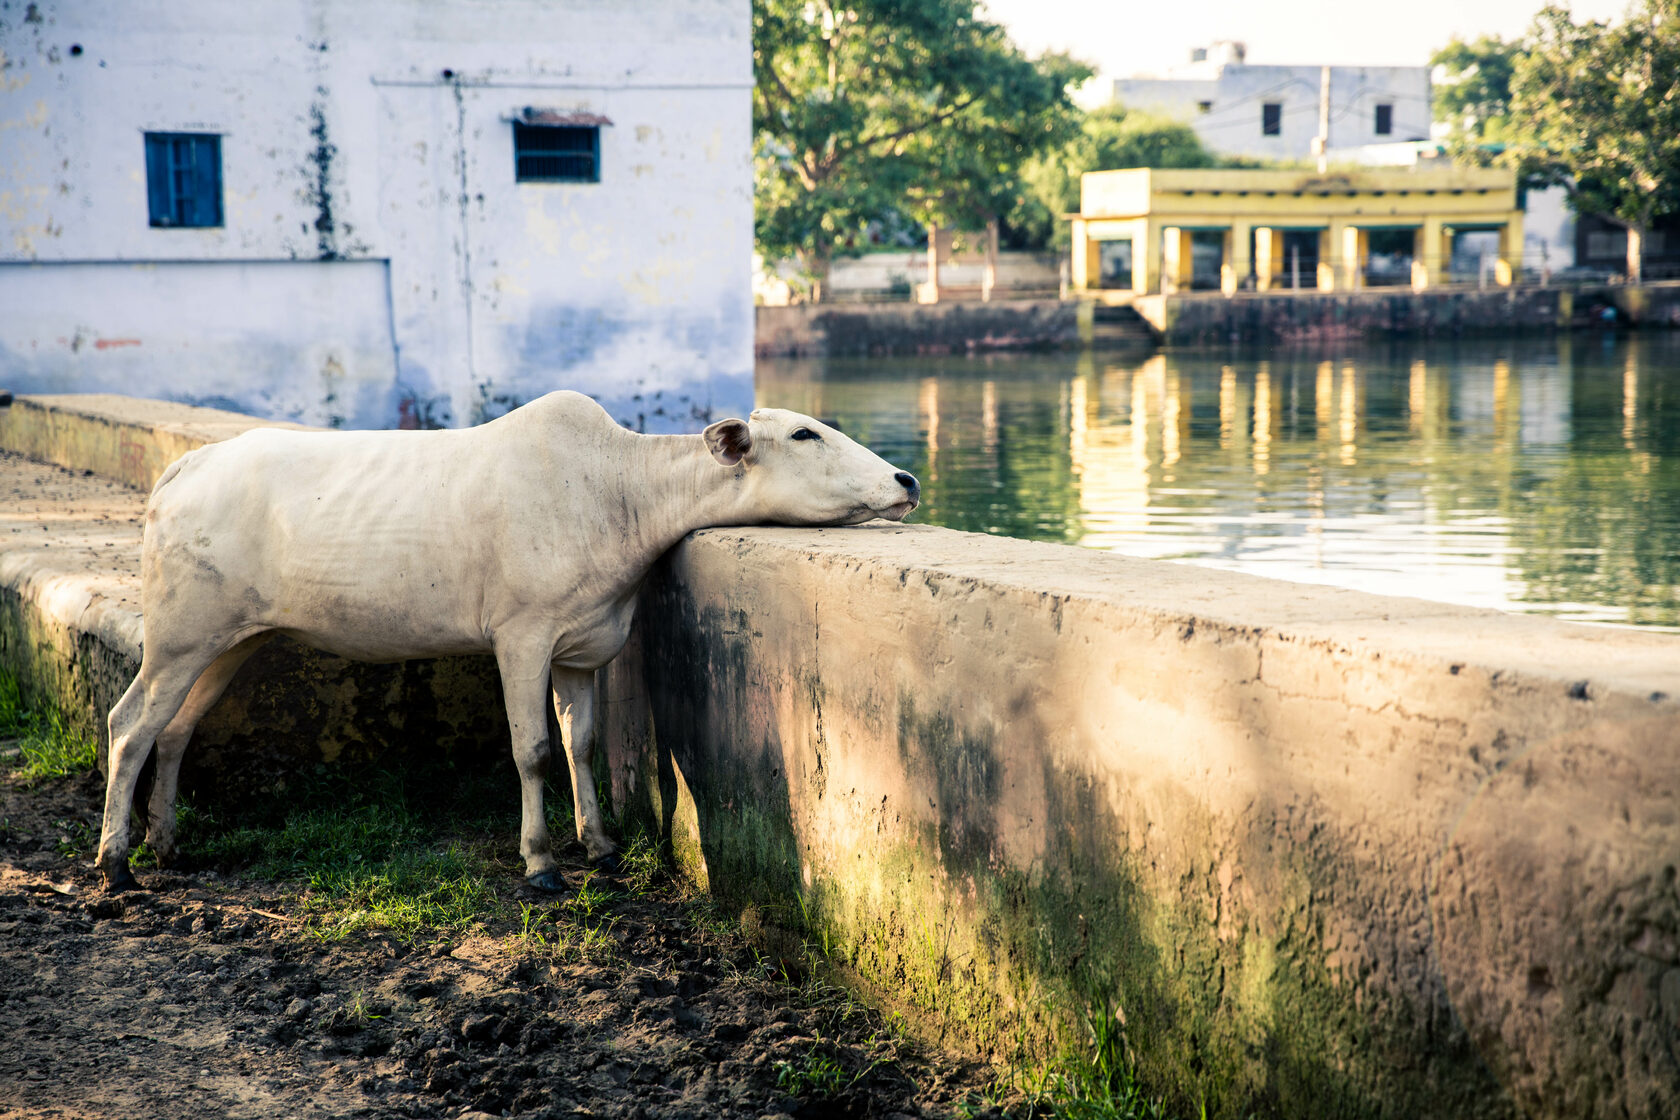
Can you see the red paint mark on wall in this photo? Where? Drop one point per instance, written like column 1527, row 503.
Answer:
column 132, row 455
column 108, row 343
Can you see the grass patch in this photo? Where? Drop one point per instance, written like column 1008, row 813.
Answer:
column 580, row 926
column 417, row 848
column 1096, row 1082
column 46, row 745
column 818, row 1074
column 410, row 852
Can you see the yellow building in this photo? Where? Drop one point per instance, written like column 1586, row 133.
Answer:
column 1142, row 230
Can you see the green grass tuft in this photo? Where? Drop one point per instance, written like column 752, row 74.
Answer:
column 406, row 852
column 1095, row 1083
column 46, row 745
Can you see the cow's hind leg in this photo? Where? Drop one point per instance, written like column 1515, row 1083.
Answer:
column 172, row 742
column 524, row 669
column 574, row 703
column 138, row 718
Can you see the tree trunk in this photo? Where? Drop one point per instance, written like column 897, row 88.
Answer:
column 1635, row 254
column 816, row 267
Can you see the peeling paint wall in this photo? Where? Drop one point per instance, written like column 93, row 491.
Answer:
column 378, row 264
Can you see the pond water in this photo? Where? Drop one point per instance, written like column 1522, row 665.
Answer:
column 1537, row 475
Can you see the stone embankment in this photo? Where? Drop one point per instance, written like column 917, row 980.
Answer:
column 1212, row 319
column 1205, row 319
column 1312, row 852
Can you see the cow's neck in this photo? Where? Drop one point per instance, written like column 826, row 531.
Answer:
column 687, row 490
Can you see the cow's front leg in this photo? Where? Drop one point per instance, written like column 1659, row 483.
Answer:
column 524, row 669
column 574, row 703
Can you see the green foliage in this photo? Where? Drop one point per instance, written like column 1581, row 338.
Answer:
column 1475, row 100
column 579, row 926
column 818, row 1074
column 1589, row 106
column 1098, row 1084
column 919, row 107
column 642, row 864
column 364, row 866
column 47, row 746
column 1109, row 138
column 1599, row 102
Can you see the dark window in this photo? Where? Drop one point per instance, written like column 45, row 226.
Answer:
column 1204, row 106
column 546, row 153
column 1271, row 118
column 184, row 179
column 1115, row 258
column 1385, row 120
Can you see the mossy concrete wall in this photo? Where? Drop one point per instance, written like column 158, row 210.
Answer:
column 1319, row 853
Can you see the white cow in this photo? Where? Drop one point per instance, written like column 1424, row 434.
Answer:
column 527, row 538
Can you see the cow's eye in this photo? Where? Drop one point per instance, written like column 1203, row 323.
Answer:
column 805, row 433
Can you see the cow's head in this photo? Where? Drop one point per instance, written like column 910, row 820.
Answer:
column 800, row 471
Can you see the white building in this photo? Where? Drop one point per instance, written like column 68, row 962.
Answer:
column 379, row 212
column 1272, row 112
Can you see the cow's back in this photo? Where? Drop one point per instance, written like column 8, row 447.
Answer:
column 375, row 545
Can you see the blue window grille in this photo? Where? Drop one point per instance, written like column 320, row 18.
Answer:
column 544, row 153
column 184, row 179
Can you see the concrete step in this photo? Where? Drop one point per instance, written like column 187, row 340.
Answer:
column 1116, row 326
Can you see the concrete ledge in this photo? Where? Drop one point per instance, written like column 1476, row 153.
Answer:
column 1321, row 853
column 126, row 439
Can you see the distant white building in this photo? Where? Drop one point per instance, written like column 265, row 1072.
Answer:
column 1272, row 112
column 1380, row 116
column 379, row 212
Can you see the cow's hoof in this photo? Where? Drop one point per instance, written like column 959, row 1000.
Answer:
column 546, row 881
column 123, row 880
column 608, row 864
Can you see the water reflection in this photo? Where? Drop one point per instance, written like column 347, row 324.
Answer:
column 1537, row 475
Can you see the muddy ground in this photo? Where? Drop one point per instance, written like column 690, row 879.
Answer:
column 205, row 995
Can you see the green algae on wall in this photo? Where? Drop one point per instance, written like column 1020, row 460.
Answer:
column 1224, row 1010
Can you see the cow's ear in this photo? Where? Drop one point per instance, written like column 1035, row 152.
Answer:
column 729, row 441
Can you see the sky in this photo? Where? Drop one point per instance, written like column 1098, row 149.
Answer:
column 1134, row 37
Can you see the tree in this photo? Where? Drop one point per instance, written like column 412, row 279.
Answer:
column 917, row 106
column 1596, row 107
column 1475, row 100
column 1110, row 138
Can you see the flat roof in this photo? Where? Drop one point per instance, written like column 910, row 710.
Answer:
column 1376, row 192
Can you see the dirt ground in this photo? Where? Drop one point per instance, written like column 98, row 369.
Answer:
column 203, row 996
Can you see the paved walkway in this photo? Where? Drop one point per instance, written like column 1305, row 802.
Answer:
column 70, row 544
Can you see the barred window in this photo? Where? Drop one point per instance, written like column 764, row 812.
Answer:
column 1271, row 118
column 556, row 153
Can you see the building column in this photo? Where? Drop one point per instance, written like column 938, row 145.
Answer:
column 1356, row 254
column 1177, row 267
column 1330, row 241
column 1270, row 269
column 1085, row 267
column 1509, row 267
column 989, row 278
column 1426, row 255
column 1146, row 257
column 1234, row 263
